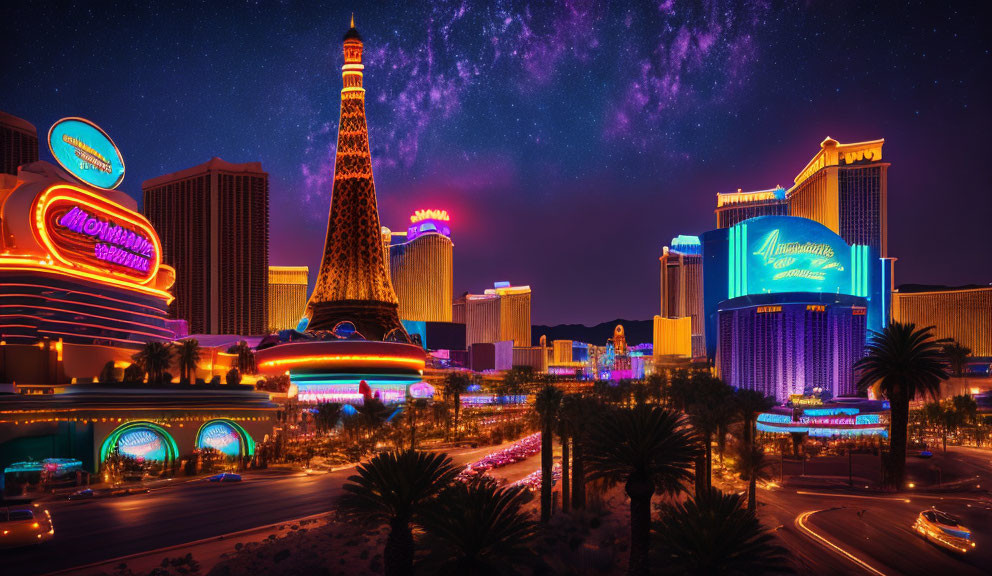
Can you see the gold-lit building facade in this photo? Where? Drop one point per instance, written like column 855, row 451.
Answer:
column 287, row 296
column 422, row 270
column 682, row 287
column 964, row 314
column 735, row 207
column 845, row 188
column 672, row 337
column 500, row 314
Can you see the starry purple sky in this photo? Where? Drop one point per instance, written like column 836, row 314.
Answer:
column 569, row 141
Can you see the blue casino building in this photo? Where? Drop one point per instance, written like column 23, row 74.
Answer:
column 788, row 305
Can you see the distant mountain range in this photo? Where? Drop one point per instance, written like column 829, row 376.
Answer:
column 637, row 331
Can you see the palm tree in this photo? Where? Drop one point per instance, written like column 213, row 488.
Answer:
column 133, row 375
column 905, row 362
column 708, row 404
column 580, row 413
column 750, row 404
column 456, row 384
column 107, row 375
column 957, row 357
column 565, row 425
column 396, row 488
column 413, row 406
column 328, row 416
column 188, row 354
column 657, row 385
column 715, row 534
column 154, row 358
column 479, row 528
column 372, row 416
column 548, row 402
column 649, row 449
column 245, row 357
column 752, row 465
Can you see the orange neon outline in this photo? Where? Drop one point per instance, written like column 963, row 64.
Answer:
column 81, row 292
column 81, row 313
column 97, row 326
column 91, row 200
column 33, row 265
column 412, row 362
column 105, row 135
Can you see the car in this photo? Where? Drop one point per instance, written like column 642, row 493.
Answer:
column 925, row 454
column 944, row 530
column 225, row 477
column 84, row 494
column 25, row 525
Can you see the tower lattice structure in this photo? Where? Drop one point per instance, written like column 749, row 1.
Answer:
column 352, row 284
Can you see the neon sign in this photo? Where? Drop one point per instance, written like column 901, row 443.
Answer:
column 421, row 215
column 772, row 254
column 86, row 152
column 117, row 244
column 426, row 221
column 84, row 230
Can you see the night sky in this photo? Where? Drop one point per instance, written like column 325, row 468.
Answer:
column 569, row 141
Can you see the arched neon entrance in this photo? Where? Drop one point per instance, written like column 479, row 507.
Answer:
column 143, row 440
column 225, row 436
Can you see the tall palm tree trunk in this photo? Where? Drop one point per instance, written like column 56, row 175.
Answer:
column 752, row 496
column 547, row 461
column 564, row 474
column 578, row 475
column 458, row 406
column 640, row 491
column 897, row 438
column 398, row 554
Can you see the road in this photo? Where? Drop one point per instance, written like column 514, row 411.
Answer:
column 107, row 528
column 876, row 529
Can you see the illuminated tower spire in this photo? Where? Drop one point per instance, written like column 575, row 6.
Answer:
column 352, row 284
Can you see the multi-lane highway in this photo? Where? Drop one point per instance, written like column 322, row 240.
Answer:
column 102, row 529
column 826, row 531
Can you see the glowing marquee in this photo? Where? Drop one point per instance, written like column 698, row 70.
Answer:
column 84, row 230
column 425, row 221
column 772, row 254
column 86, row 151
column 421, row 215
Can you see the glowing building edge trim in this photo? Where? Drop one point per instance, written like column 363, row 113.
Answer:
column 31, row 265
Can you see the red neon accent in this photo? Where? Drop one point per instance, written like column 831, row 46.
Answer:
column 160, row 315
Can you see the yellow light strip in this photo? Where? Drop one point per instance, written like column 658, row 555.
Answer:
column 27, row 265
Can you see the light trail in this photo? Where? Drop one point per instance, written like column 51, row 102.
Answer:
column 804, row 527
column 828, row 494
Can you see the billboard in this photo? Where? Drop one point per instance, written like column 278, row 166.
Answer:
column 774, row 254
column 83, row 230
column 86, row 152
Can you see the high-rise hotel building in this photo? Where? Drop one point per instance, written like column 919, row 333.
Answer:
column 962, row 313
column 213, row 220
column 845, row 188
column 287, row 296
column 735, row 207
column 421, row 269
column 682, row 291
column 18, row 143
column 501, row 313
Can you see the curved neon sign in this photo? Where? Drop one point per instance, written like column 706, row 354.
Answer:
column 83, row 230
column 86, row 152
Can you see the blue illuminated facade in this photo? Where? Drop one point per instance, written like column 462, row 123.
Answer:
column 788, row 305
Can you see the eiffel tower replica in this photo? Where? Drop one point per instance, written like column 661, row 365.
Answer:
column 352, row 284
